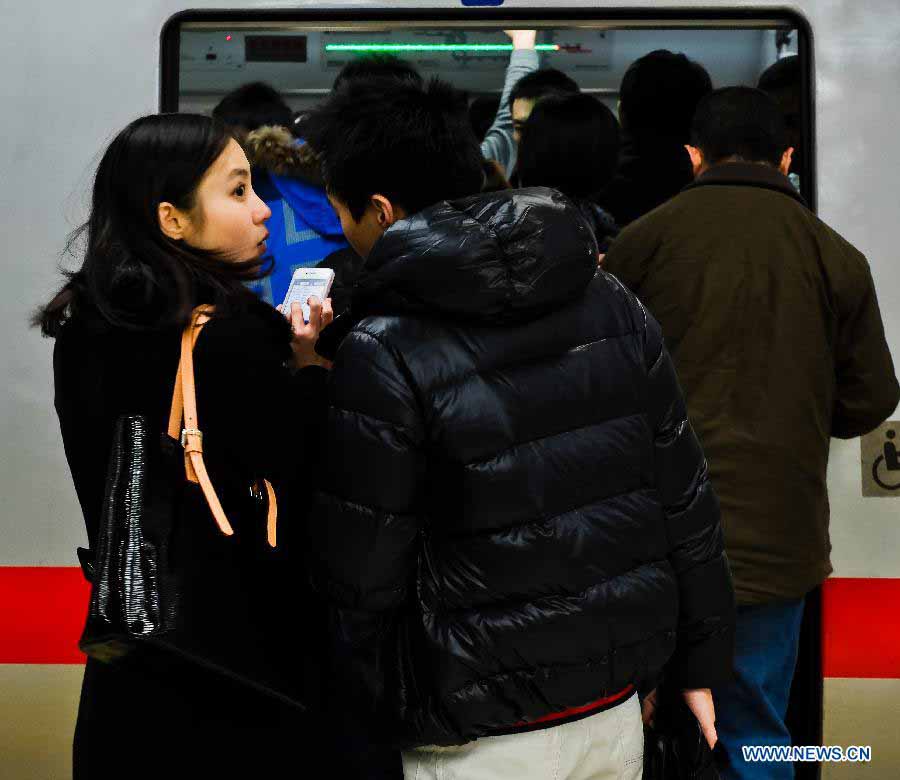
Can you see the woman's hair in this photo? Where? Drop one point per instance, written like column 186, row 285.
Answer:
column 569, row 143
column 132, row 274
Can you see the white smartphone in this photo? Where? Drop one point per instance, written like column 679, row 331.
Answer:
column 305, row 283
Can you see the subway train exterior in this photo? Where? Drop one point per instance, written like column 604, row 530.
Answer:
column 73, row 75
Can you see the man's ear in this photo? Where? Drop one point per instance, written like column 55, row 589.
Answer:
column 386, row 212
column 173, row 222
column 697, row 162
column 786, row 158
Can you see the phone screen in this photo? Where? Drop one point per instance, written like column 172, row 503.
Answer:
column 301, row 290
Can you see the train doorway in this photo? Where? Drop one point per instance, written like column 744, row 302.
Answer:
column 205, row 55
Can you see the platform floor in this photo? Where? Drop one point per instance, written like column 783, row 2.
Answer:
column 38, row 704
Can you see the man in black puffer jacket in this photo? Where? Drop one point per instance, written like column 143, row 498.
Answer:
column 515, row 525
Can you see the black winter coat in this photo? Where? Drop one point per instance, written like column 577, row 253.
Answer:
column 602, row 224
column 346, row 265
column 651, row 170
column 515, row 517
column 156, row 716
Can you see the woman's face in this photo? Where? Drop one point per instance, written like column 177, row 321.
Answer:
column 228, row 216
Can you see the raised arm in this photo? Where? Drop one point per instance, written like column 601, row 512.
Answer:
column 499, row 143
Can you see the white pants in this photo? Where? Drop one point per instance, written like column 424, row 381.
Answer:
column 605, row 746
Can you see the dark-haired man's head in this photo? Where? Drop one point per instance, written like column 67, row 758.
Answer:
column 739, row 124
column 781, row 76
column 570, row 143
column 658, row 96
column 529, row 89
column 377, row 66
column 252, row 106
column 782, row 82
column 367, row 66
column 390, row 148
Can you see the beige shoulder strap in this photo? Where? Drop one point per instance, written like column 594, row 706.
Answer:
column 184, row 404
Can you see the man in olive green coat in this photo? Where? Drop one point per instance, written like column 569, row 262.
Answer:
column 773, row 323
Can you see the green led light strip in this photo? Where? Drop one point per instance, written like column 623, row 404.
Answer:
column 487, row 47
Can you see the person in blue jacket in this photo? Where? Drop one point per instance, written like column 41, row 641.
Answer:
column 303, row 229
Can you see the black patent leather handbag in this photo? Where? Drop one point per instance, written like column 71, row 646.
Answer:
column 134, row 594
column 164, row 579
column 674, row 746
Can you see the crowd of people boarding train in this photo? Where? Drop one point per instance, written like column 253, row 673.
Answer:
column 551, row 460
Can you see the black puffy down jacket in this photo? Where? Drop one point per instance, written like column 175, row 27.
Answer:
column 516, row 517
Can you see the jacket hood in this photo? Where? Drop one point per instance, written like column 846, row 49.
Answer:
column 277, row 151
column 295, row 172
column 500, row 257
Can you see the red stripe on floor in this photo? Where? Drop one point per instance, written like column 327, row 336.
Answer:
column 42, row 612
column 861, row 627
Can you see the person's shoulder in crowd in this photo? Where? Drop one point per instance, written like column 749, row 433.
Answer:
column 255, row 332
column 640, row 238
column 686, row 213
column 253, row 335
column 693, row 202
column 643, row 182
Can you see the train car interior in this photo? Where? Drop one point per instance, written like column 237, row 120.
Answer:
column 205, row 56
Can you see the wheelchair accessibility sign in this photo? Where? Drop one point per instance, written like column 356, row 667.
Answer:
column 880, row 460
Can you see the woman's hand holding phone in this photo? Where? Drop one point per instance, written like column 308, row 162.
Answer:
column 307, row 333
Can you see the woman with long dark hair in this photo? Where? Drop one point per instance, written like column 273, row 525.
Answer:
column 571, row 143
column 174, row 224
